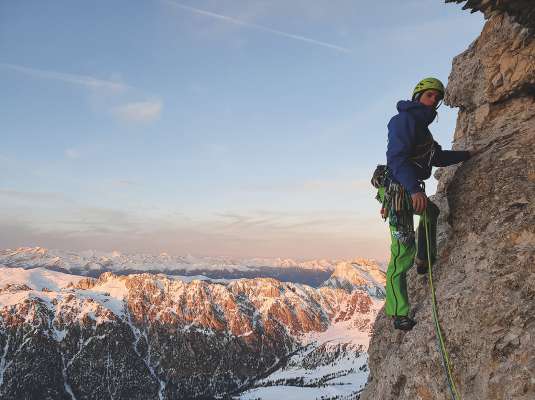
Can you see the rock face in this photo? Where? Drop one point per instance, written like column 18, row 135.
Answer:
column 149, row 336
column 485, row 273
column 521, row 10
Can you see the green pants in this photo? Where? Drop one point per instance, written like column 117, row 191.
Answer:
column 402, row 259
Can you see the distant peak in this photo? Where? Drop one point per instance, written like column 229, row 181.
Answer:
column 34, row 250
column 358, row 274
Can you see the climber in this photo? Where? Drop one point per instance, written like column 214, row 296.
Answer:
column 411, row 154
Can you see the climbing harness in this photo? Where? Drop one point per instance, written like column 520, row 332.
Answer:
column 396, row 203
column 423, row 153
column 438, row 331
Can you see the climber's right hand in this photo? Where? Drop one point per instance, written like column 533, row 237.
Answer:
column 419, row 202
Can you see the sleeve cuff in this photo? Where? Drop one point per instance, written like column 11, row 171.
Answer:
column 415, row 189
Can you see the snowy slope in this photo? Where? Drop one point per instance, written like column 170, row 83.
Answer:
column 38, row 278
column 362, row 275
column 301, row 393
column 55, row 289
column 334, row 365
column 92, row 263
column 168, row 325
column 331, row 364
column 29, row 257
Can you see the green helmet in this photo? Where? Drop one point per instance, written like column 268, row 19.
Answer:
column 428, row 83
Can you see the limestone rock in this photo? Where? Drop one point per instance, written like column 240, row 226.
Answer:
column 485, row 272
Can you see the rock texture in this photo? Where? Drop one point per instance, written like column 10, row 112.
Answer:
column 522, row 11
column 485, row 274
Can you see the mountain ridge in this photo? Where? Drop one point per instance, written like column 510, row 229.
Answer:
column 165, row 336
column 91, row 263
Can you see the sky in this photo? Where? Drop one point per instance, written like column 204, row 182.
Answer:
column 210, row 127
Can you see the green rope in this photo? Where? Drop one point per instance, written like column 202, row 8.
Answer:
column 440, row 337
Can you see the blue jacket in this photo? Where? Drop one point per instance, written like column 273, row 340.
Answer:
column 412, row 152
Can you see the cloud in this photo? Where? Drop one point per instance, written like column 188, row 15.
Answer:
column 53, row 220
column 125, row 182
column 313, row 185
column 81, row 80
column 73, row 154
column 266, row 223
column 33, row 196
column 143, row 111
column 263, row 28
column 335, row 185
column 216, row 149
column 187, row 239
column 99, row 220
column 418, row 33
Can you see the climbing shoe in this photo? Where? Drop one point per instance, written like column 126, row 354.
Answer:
column 421, row 266
column 404, row 323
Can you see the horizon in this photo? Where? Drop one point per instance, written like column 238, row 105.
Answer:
column 214, row 128
column 118, row 253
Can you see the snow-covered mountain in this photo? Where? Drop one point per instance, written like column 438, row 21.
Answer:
column 331, row 365
column 364, row 275
column 93, row 263
column 145, row 336
column 90, row 259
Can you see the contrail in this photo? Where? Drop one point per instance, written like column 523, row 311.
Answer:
column 83, row 80
column 258, row 27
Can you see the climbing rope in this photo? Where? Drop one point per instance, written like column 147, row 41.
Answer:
column 440, row 337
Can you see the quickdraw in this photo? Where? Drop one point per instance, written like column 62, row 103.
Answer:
column 396, row 205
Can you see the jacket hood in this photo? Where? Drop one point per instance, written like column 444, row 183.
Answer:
column 421, row 112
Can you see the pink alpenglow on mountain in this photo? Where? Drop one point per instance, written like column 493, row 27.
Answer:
column 164, row 336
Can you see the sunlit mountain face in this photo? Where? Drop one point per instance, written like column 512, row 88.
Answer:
column 166, row 336
column 93, row 263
